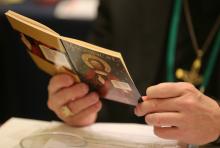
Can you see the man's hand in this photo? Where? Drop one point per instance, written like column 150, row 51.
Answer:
column 179, row 111
column 75, row 96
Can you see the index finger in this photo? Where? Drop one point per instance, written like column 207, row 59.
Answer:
column 168, row 90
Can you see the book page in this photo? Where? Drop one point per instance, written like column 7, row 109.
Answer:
column 103, row 71
column 97, row 49
column 99, row 135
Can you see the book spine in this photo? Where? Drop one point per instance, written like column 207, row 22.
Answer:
column 74, row 68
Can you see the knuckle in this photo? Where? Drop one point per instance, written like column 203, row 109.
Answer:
column 73, row 109
column 140, row 110
column 55, row 78
column 50, row 86
column 188, row 87
column 94, row 96
column 148, row 90
column 157, row 120
column 191, row 98
column 161, row 84
column 96, row 107
column 83, row 87
column 50, row 104
column 99, row 105
column 153, row 120
column 154, row 104
column 78, row 90
column 148, row 119
column 188, row 103
column 49, row 92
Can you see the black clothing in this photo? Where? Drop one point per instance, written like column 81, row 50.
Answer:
column 139, row 30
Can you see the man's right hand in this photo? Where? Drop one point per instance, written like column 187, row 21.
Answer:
column 84, row 105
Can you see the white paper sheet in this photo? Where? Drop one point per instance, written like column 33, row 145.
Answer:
column 99, row 135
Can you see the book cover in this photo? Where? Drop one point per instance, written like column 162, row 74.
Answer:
column 102, row 69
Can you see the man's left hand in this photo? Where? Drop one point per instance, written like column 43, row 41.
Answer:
column 181, row 112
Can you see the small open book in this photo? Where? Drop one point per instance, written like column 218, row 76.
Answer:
column 102, row 69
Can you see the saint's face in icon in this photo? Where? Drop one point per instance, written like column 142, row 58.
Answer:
column 96, row 63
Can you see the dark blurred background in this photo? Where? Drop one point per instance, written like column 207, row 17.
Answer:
column 23, row 86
